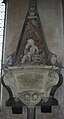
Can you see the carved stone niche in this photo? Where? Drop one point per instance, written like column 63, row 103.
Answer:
column 32, row 72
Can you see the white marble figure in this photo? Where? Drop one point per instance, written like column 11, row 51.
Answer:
column 30, row 50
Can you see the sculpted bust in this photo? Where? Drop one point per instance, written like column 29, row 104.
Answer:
column 30, row 50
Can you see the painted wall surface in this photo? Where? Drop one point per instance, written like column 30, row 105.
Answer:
column 51, row 16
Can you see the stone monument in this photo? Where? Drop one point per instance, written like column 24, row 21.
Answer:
column 32, row 72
